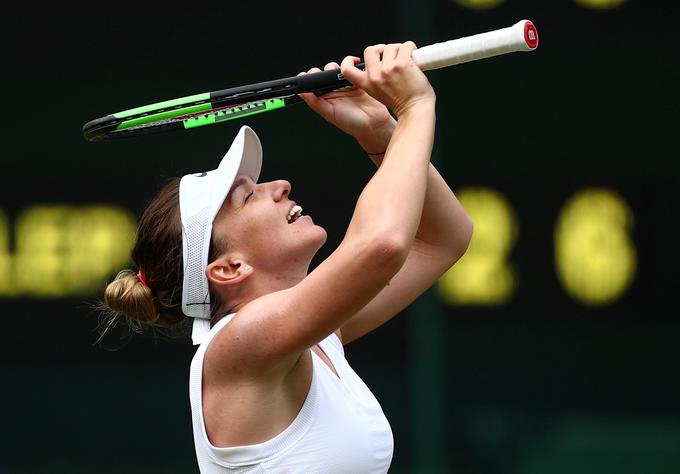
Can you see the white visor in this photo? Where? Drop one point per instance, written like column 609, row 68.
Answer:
column 200, row 197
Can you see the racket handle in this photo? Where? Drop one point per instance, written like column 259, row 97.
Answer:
column 522, row 36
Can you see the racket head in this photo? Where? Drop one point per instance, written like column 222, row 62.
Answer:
column 112, row 127
column 211, row 107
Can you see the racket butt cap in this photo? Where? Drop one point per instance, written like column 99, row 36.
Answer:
column 530, row 34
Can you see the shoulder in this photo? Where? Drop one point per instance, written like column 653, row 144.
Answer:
column 259, row 341
column 244, row 347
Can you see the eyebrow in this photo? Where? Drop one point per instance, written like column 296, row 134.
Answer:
column 239, row 183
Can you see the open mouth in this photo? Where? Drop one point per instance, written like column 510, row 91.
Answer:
column 294, row 214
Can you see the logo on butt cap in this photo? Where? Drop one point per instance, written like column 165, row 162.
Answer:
column 530, row 35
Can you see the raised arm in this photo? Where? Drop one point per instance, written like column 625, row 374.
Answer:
column 443, row 235
column 274, row 329
column 444, row 230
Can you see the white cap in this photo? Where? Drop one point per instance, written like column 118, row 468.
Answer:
column 200, row 197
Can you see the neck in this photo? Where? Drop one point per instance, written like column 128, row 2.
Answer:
column 256, row 286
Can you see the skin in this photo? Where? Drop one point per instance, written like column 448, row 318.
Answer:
column 407, row 229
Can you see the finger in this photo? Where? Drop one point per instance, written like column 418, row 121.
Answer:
column 354, row 75
column 311, row 71
column 390, row 54
column 406, row 50
column 331, row 65
column 372, row 59
column 356, row 61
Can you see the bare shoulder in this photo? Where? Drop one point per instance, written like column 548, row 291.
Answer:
column 256, row 343
column 247, row 346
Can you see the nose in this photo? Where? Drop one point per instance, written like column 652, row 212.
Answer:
column 279, row 189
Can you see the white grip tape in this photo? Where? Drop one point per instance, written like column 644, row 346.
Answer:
column 472, row 48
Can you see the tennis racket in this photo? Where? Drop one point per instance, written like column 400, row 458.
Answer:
column 238, row 102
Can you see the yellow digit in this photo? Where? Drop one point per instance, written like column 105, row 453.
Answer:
column 66, row 251
column 99, row 239
column 5, row 257
column 594, row 255
column 484, row 276
column 40, row 250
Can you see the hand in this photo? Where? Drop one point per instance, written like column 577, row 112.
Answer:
column 354, row 112
column 391, row 76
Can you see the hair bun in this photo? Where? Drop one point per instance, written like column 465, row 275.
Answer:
column 126, row 294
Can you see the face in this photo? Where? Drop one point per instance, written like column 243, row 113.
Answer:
column 254, row 221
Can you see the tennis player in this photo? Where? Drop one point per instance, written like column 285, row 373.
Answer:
column 270, row 388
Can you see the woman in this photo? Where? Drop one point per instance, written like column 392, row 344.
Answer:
column 270, row 388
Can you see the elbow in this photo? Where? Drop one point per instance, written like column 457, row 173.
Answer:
column 390, row 251
column 462, row 242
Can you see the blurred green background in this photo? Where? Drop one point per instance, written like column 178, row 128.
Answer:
column 551, row 347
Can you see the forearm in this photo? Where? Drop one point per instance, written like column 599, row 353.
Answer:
column 393, row 199
column 444, row 223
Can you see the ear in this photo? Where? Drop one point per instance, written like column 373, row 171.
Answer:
column 227, row 271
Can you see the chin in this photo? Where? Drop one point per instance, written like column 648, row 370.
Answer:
column 323, row 235
column 322, row 231
column 309, row 240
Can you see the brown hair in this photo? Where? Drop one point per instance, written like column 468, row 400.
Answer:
column 158, row 255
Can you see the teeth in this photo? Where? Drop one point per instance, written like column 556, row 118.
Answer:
column 296, row 210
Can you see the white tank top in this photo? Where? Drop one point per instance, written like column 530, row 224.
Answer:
column 340, row 428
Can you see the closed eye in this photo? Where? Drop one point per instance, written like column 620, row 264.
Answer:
column 247, row 197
